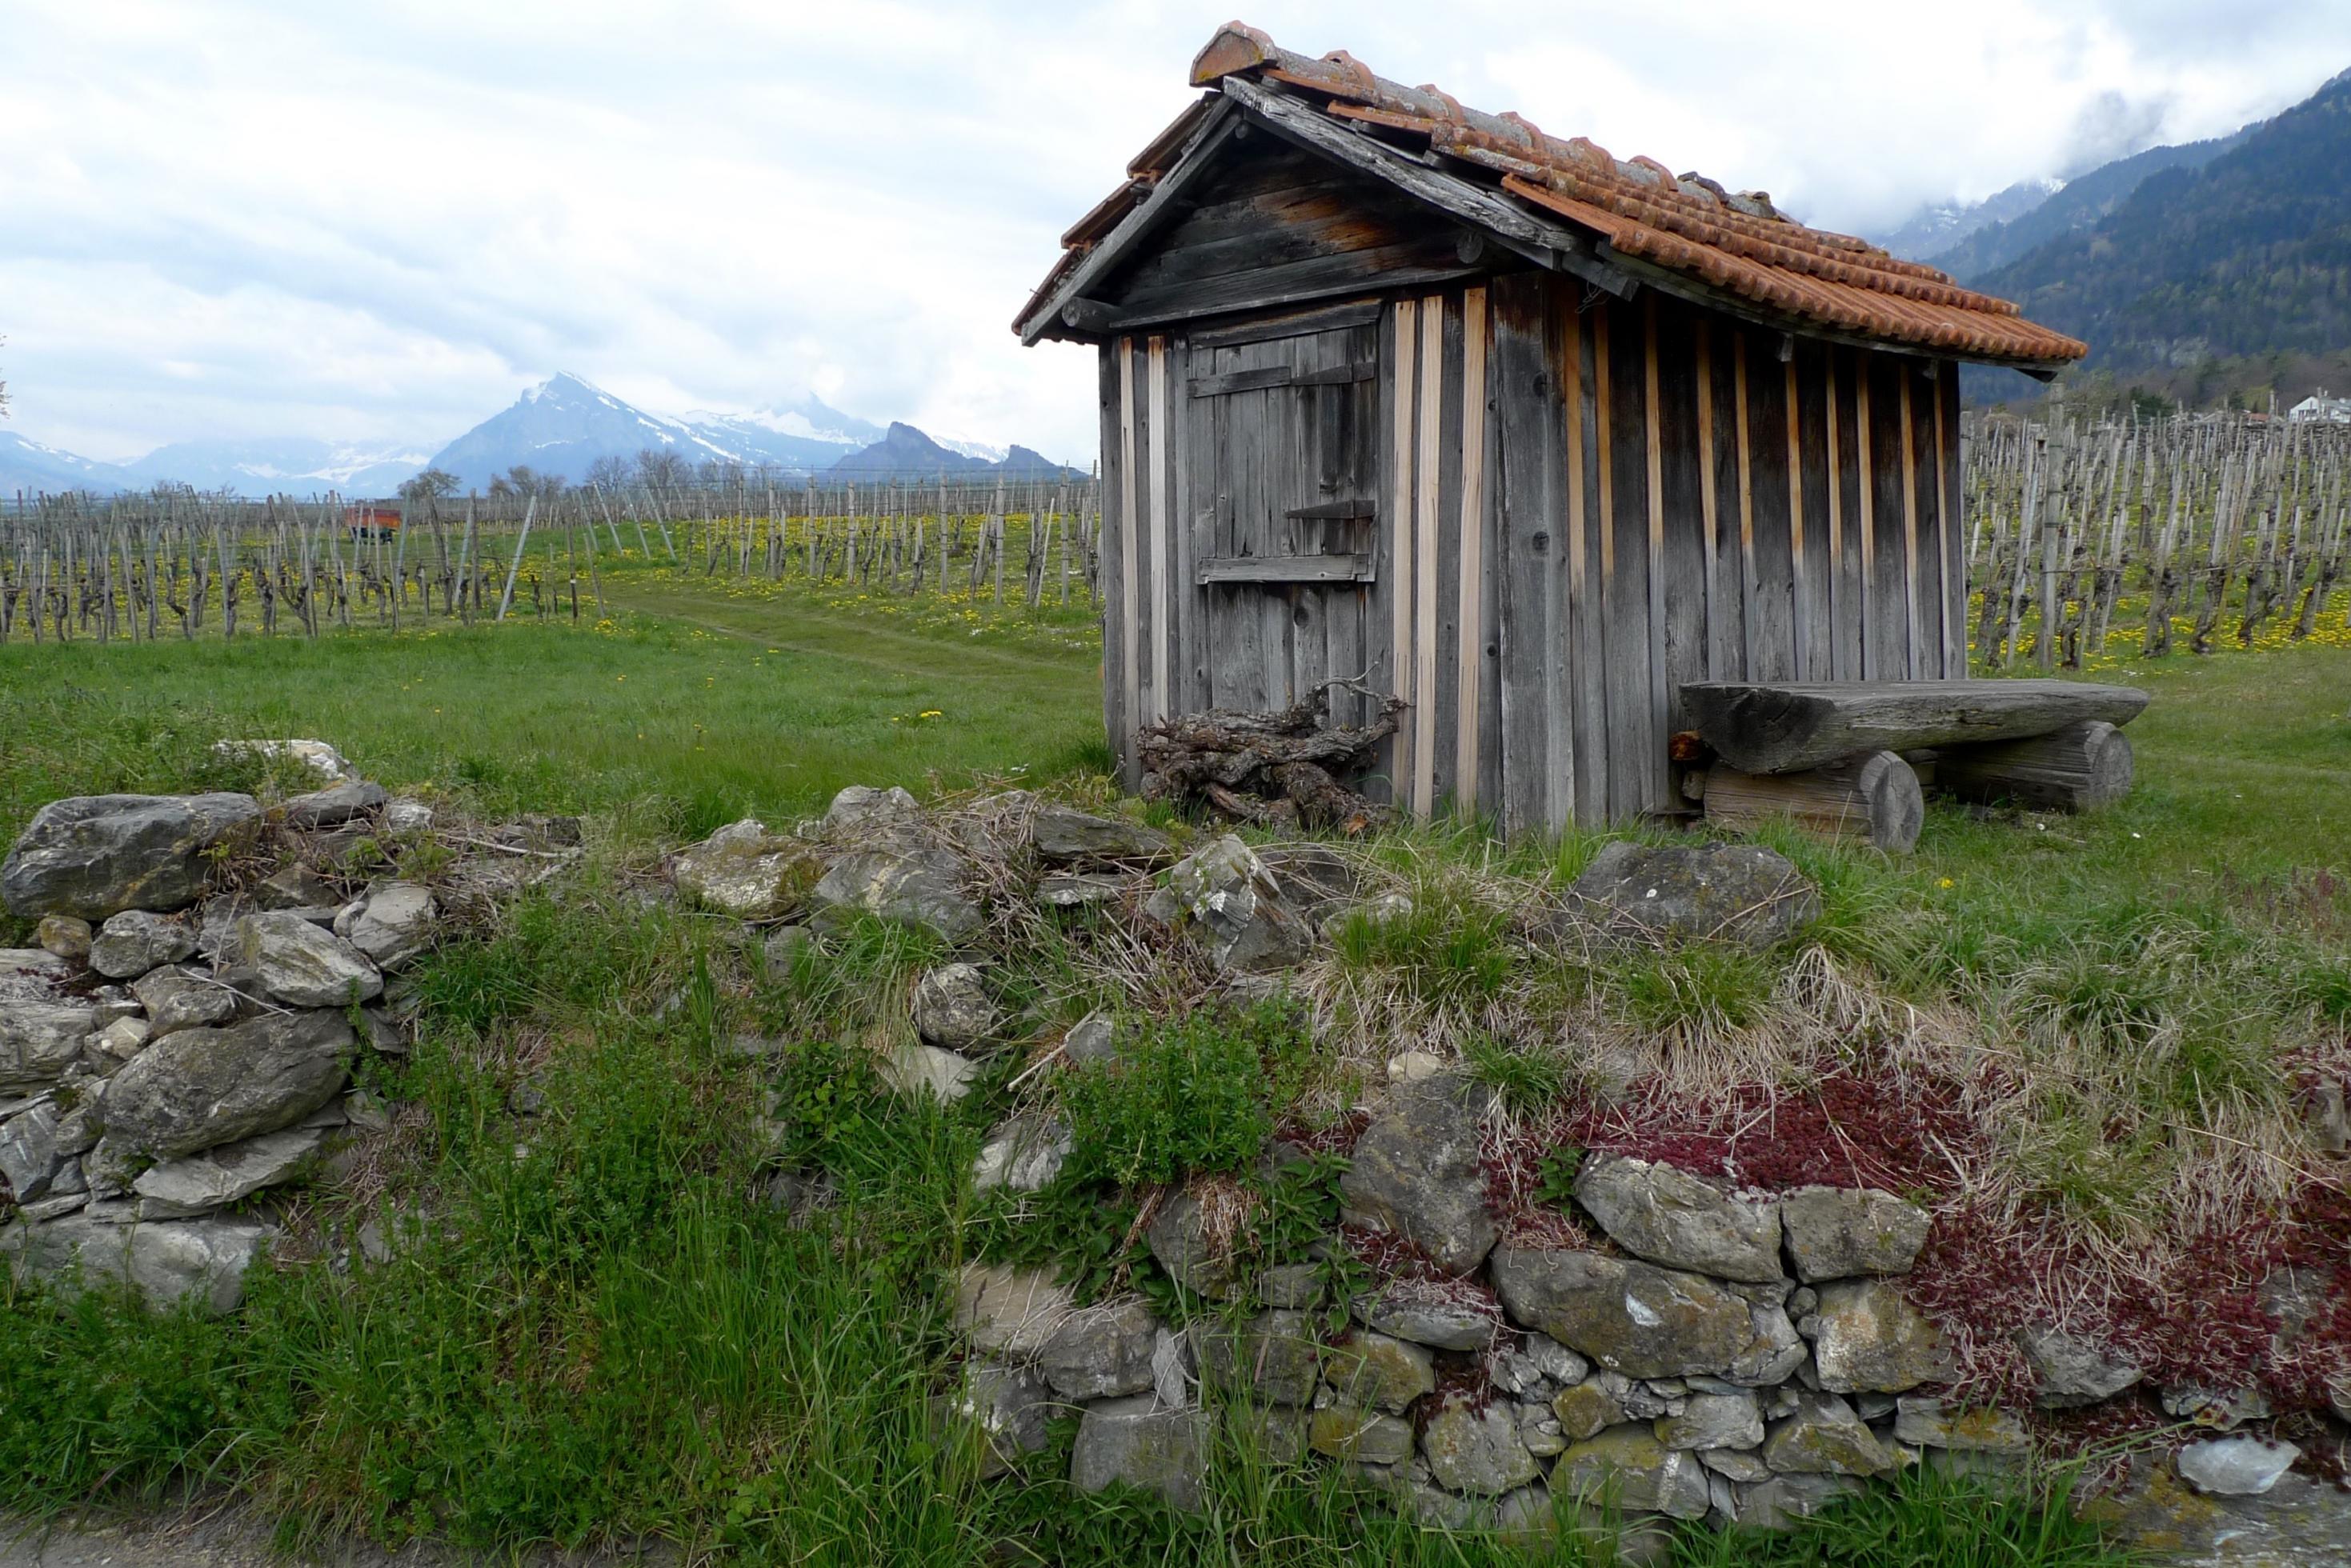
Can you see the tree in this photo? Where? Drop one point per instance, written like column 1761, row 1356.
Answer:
column 433, row 484
column 660, row 467
column 610, row 472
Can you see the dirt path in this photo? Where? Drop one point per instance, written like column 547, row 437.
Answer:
column 232, row 1537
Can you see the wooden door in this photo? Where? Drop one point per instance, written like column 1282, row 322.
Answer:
column 1283, row 468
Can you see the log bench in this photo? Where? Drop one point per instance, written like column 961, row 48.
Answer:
column 1826, row 754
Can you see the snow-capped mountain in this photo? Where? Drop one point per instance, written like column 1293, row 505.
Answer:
column 287, row 467
column 30, row 466
column 564, row 424
column 807, row 435
column 1937, row 226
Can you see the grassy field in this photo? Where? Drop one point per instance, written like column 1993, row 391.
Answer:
column 610, row 1333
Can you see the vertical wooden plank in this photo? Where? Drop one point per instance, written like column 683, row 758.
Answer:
column 1429, row 418
column 1709, row 511
column 1845, row 558
column 1684, row 475
column 1800, row 607
column 1587, row 709
column 1658, row 786
column 1816, row 519
column 1889, row 629
column 1403, row 535
column 1749, row 659
column 1771, row 607
column 1926, row 485
column 1914, row 653
column 1163, row 554
column 1193, row 514
column 1531, row 381
column 1632, row 650
column 1955, row 521
column 1469, row 663
column 1130, row 627
column 1865, row 465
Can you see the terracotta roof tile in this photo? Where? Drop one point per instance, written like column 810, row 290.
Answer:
column 1738, row 242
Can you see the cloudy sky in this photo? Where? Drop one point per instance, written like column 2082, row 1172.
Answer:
column 378, row 223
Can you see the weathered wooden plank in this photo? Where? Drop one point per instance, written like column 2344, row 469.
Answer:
column 1587, row 688
column 1810, row 414
column 1291, row 324
column 1162, row 703
column 1469, row 656
column 1844, row 538
column 1678, row 585
column 1528, row 563
column 1800, row 608
column 1872, row 798
column 1332, row 511
column 1771, row 607
column 1408, row 263
column 1750, row 660
column 1710, row 509
column 1783, row 727
column 1955, row 521
column 1192, row 441
column 2078, row 768
column 1927, row 513
column 1130, row 617
column 1118, row 453
column 1887, row 622
column 1445, row 769
column 1429, row 423
column 1634, row 736
column 1355, row 568
column 1400, row 580
column 1280, row 376
column 1915, row 649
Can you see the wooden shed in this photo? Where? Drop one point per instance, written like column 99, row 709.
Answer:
column 1529, row 435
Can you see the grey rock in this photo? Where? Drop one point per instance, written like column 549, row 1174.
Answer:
column 1135, row 1442
column 1078, row 889
column 1824, row 1437
column 134, row 942
column 2222, row 1410
column 782, row 949
column 2235, row 1466
column 31, row 1151
column 202, row 1088
column 386, row 1032
column 95, row 856
column 317, row 756
column 1924, row 1422
column 300, row 965
column 1065, row 836
column 1627, row 1466
column 1537, row 1368
column 1173, row 1374
column 914, row 1070
column 391, row 922
column 2072, row 1370
column 1786, row 1500
column 1539, row 1428
column 54, row 1206
column 1187, row 1245
column 1005, row 1409
column 1415, row 1174
column 1024, row 1154
column 1316, row 880
column 1870, row 1339
column 953, row 1010
column 1477, row 1451
column 1378, row 1371
column 1359, row 1435
column 1630, row 1317
column 915, row 887
column 405, row 814
column 746, row 871
column 1669, row 1217
column 1714, row 1421
column 335, row 804
column 1093, row 1038
column 198, row 1262
column 862, row 811
column 39, row 1041
column 177, row 998
column 1273, row 1357
column 295, row 886
column 1228, row 892
column 65, row 936
column 1836, row 1232
column 1297, row 1285
column 1101, row 1352
column 1443, row 1315
column 181, row 1188
column 1775, row 1351
column 1275, row 1432
column 1739, row 893
column 1734, row 1464
column 1012, row 1312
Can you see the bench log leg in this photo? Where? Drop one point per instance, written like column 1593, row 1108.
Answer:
column 2078, row 768
column 1872, row 797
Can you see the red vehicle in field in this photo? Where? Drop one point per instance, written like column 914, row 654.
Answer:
column 371, row 522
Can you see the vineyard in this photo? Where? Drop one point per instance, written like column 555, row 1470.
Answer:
column 2086, row 543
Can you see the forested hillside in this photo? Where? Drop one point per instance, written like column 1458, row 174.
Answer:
column 2250, row 254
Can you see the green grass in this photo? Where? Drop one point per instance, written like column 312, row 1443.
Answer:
column 770, row 709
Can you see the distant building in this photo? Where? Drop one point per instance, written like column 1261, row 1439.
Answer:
column 2320, row 408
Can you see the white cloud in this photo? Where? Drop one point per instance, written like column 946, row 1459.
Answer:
column 261, row 217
